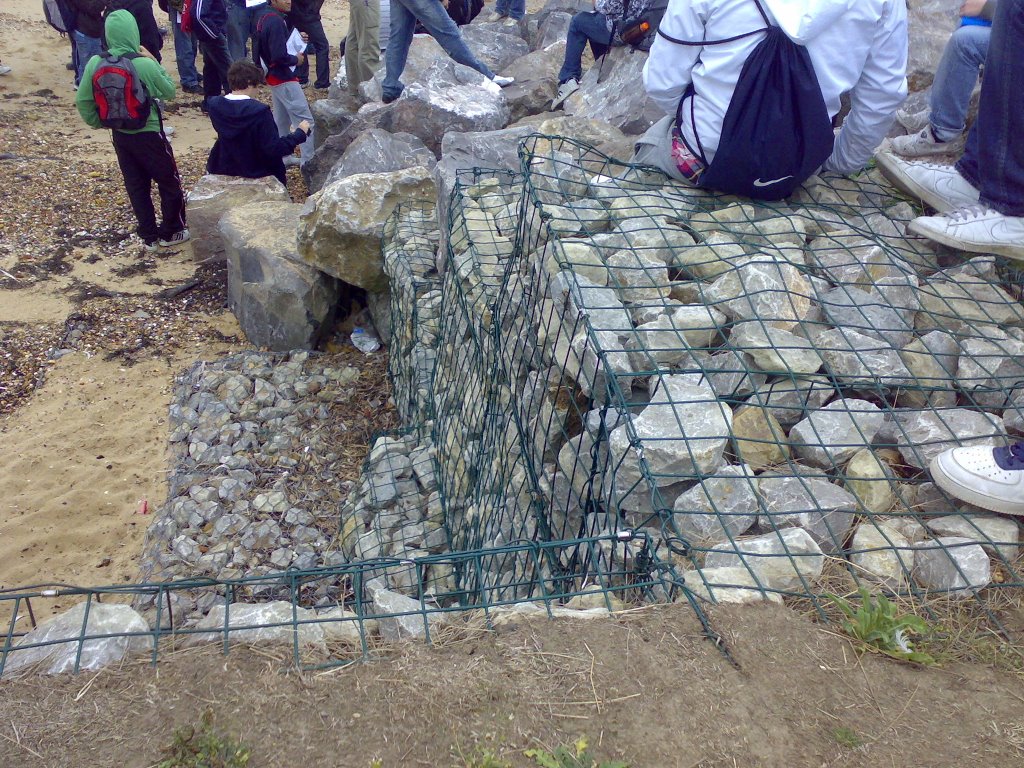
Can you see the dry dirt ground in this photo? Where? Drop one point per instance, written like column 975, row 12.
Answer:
column 646, row 688
column 83, row 441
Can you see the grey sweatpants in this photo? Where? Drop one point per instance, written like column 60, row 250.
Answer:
column 655, row 148
column 290, row 109
column 362, row 46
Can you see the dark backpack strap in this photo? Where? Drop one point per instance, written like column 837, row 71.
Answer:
column 701, row 43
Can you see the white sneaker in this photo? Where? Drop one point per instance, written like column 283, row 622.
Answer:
column 565, row 90
column 4, row 69
column 168, row 131
column 179, row 237
column 291, row 160
column 939, row 186
column 495, row 16
column 501, row 82
column 990, row 478
column 913, row 121
column 923, row 143
column 975, row 228
column 510, row 22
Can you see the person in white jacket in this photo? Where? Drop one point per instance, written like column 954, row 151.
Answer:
column 857, row 47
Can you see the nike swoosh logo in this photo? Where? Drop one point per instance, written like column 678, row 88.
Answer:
column 759, row 183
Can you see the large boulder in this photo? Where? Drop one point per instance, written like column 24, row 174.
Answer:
column 496, row 49
column 930, row 24
column 377, row 151
column 342, row 224
column 604, row 136
column 333, row 146
column 613, row 90
column 536, row 82
column 429, row 110
column 215, row 195
column 280, row 302
column 463, row 150
column 44, row 646
column 330, row 117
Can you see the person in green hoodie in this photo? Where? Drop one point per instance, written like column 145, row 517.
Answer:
column 144, row 155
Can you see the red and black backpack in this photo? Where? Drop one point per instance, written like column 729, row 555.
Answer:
column 122, row 101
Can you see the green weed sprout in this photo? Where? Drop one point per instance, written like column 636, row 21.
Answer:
column 877, row 626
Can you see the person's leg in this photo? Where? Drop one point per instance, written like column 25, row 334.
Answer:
column 955, row 78
column 584, row 28
column 237, row 30
column 136, row 184
column 184, row 54
column 402, row 25
column 293, row 110
column 322, row 51
column 439, row 24
column 216, row 62
column 158, row 160
column 516, row 9
column 85, row 49
column 994, row 160
column 368, row 33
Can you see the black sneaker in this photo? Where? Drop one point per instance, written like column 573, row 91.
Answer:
column 321, row 86
column 192, row 88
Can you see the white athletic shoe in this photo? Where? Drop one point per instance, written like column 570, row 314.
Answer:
column 939, row 186
column 510, row 22
column 913, row 121
column 494, row 16
column 923, row 143
column 565, row 90
column 990, row 478
column 501, row 81
column 4, row 69
column 975, row 228
column 168, row 131
column 179, row 237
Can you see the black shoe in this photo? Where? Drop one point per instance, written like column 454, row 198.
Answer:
column 70, row 66
column 321, row 86
column 192, row 88
column 388, row 99
column 303, row 83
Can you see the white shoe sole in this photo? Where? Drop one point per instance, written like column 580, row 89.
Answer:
column 1013, row 251
column 889, row 165
column 971, row 496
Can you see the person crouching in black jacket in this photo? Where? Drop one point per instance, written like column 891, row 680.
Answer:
column 247, row 141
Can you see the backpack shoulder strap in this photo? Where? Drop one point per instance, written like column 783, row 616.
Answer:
column 724, row 40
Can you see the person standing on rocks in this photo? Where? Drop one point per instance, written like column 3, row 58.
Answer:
column 433, row 16
column 144, row 155
column 362, row 45
column 599, row 28
column 271, row 42
column 700, row 51
column 980, row 200
column 247, row 143
column 940, row 129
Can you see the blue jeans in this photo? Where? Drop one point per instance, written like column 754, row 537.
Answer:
column 439, row 24
column 584, row 28
column 955, row 78
column 185, row 48
column 994, row 160
column 239, row 29
column 514, row 9
column 85, row 49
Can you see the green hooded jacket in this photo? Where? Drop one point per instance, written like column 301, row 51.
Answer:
column 123, row 37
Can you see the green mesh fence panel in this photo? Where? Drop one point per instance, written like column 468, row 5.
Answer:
column 760, row 386
column 409, row 249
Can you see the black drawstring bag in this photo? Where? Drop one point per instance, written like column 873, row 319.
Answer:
column 777, row 131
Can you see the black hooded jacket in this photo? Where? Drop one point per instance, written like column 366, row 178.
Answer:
column 89, row 20
column 247, row 142
column 142, row 10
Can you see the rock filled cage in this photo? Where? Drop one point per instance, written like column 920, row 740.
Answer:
column 617, row 390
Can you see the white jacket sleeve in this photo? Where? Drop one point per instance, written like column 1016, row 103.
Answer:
column 882, row 87
column 667, row 71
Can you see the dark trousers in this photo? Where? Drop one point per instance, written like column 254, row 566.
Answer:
column 994, row 160
column 144, row 158
column 322, row 51
column 216, row 62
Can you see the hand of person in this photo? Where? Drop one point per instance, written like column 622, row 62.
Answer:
column 304, row 36
column 305, row 127
column 444, row 4
column 300, row 57
column 972, row 7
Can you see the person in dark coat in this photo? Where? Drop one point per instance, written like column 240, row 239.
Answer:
column 305, row 17
column 248, row 144
column 149, row 32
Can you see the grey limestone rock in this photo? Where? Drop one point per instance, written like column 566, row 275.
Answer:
column 765, row 289
column 823, row 509
column 775, row 350
column 832, row 434
column 868, row 363
column 719, row 507
column 788, row 559
column 789, row 399
column 377, row 151
column 614, row 92
column 866, row 313
column 882, row 553
column 952, row 564
column 247, row 623
column 922, row 435
column 213, row 196
column 280, row 302
column 999, row 536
